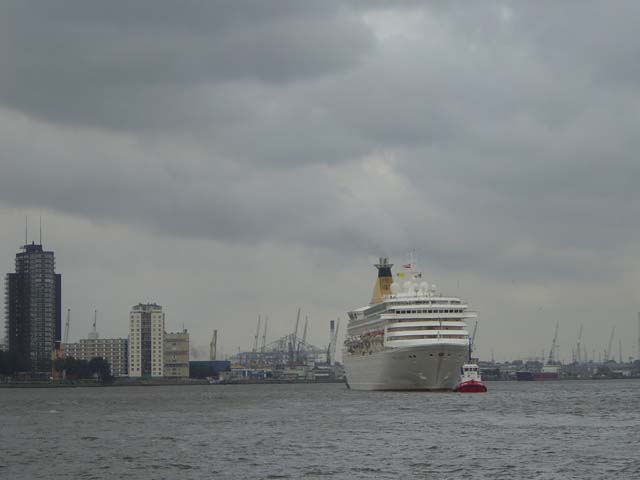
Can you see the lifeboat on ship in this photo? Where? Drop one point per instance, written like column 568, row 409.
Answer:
column 470, row 382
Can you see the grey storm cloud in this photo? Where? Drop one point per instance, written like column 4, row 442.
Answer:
column 90, row 63
column 349, row 126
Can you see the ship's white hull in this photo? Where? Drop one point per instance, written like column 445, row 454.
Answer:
column 426, row 367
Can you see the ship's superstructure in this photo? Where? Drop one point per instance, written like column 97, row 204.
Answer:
column 408, row 338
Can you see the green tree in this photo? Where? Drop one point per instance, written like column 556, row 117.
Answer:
column 100, row 367
column 76, row 369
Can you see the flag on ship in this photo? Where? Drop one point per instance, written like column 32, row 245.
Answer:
column 407, row 265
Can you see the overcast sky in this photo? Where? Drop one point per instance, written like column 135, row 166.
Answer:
column 230, row 159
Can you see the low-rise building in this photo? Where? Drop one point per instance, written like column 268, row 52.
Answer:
column 176, row 354
column 113, row 350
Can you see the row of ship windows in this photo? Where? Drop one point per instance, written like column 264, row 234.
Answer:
column 435, row 302
column 441, row 354
column 421, row 337
column 415, row 320
column 432, row 327
column 381, row 308
column 430, row 311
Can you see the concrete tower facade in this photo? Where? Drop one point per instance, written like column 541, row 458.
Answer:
column 33, row 300
column 146, row 340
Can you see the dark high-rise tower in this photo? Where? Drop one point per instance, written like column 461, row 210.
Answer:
column 33, row 310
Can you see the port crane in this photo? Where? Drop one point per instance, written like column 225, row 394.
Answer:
column 333, row 339
column 66, row 327
column 304, row 338
column 607, row 353
column 264, row 335
column 255, row 339
column 293, row 340
column 620, row 350
column 552, row 353
column 578, row 346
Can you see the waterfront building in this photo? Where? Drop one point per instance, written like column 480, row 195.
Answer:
column 113, row 350
column 33, row 310
column 176, row 354
column 146, row 340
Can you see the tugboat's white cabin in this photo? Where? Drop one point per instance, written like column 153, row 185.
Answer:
column 470, row 371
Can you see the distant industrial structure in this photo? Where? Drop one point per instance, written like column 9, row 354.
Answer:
column 33, row 310
column 597, row 365
column 288, row 358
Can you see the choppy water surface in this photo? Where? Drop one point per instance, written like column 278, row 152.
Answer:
column 544, row 430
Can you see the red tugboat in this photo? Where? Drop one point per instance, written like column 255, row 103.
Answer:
column 470, row 381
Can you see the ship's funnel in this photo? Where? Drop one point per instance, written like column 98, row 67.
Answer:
column 384, row 281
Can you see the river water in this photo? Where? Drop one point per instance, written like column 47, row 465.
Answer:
column 528, row 430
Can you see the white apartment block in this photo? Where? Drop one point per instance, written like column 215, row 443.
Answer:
column 146, row 341
column 113, row 350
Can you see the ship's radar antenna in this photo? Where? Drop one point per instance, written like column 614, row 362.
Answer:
column 383, row 263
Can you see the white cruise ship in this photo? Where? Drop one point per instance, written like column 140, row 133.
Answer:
column 408, row 338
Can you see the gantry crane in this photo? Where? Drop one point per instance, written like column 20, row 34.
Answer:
column 255, row 338
column 66, row 327
column 607, row 352
column 552, row 353
column 579, row 346
column 264, row 335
